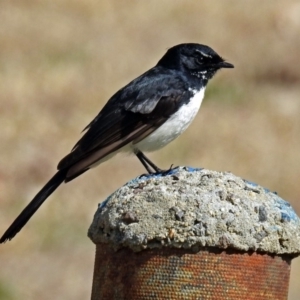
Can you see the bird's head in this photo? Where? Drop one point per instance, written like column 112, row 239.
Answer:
column 198, row 60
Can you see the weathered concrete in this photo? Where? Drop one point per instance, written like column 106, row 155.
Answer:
column 194, row 208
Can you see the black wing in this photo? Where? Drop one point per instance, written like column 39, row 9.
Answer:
column 131, row 114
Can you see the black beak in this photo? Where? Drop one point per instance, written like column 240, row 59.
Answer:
column 225, row 64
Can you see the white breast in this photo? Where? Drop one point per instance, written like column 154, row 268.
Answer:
column 174, row 126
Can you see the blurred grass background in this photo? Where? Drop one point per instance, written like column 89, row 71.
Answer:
column 60, row 61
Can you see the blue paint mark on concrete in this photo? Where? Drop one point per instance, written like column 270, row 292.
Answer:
column 103, row 204
column 285, row 217
column 287, row 212
column 256, row 185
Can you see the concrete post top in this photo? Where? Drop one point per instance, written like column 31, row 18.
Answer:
column 194, row 208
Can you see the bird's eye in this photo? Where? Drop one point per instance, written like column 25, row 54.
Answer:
column 200, row 60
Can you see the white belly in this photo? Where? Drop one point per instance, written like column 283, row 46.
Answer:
column 174, row 126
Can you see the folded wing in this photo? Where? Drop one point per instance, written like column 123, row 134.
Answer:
column 130, row 115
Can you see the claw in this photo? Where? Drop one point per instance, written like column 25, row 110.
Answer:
column 166, row 172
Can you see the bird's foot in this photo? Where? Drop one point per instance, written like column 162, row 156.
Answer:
column 160, row 172
column 166, row 172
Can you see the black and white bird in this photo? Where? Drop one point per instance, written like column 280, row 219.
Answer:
column 145, row 115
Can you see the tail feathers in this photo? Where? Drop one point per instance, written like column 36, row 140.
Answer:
column 33, row 206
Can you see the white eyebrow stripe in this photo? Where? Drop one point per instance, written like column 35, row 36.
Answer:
column 204, row 54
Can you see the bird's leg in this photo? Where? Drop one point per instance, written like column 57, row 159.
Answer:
column 147, row 163
column 140, row 157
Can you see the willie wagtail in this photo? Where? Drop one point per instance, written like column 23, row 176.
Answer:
column 145, row 115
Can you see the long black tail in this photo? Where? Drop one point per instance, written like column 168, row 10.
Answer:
column 33, row 206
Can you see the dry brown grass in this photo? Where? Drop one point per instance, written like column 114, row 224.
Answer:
column 59, row 63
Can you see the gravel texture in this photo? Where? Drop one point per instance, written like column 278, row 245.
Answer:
column 193, row 208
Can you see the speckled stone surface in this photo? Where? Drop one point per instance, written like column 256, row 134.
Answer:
column 193, row 208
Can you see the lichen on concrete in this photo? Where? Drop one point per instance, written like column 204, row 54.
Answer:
column 193, row 208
